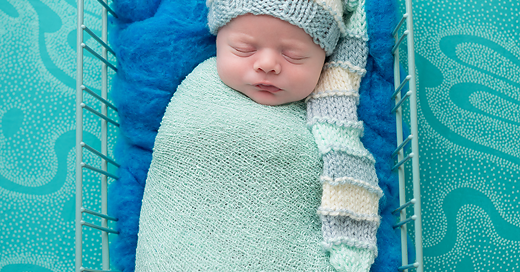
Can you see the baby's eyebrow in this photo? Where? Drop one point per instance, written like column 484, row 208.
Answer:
column 242, row 37
column 293, row 44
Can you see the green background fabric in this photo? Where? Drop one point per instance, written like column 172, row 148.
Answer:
column 468, row 64
column 468, row 60
column 37, row 135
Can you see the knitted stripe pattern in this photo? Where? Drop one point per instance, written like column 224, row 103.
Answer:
column 350, row 199
column 321, row 19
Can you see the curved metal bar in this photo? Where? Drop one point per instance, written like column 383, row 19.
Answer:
column 402, row 207
column 93, row 35
column 99, row 114
column 98, row 56
column 106, row 102
column 405, row 16
column 83, row 223
column 107, row 8
column 98, row 214
column 84, row 165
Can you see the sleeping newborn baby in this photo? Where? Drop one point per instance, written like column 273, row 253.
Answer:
column 267, row 59
column 234, row 184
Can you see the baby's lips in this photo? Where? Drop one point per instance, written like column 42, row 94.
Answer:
column 269, row 88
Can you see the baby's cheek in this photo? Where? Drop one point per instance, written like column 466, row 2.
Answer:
column 225, row 72
column 309, row 79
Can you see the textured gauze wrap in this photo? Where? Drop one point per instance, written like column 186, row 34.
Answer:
column 232, row 185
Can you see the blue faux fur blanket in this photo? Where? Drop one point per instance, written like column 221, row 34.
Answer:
column 159, row 42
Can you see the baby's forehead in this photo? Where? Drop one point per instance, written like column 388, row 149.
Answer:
column 249, row 27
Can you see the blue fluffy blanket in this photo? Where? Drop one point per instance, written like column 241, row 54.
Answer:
column 159, row 42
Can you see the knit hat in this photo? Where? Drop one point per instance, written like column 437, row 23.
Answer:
column 350, row 199
column 321, row 19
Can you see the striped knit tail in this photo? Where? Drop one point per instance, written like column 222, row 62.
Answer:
column 350, row 200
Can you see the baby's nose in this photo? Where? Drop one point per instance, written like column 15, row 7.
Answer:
column 268, row 62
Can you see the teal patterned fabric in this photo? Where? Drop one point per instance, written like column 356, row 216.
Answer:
column 468, row 60
column 468, row 63
column 37, row 135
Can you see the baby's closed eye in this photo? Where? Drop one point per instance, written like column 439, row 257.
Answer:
column 294, row 57
column 243, row 52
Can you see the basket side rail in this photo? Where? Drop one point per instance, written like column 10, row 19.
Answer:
column 101, row 154
column 413, row 156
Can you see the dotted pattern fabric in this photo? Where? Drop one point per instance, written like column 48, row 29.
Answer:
column 37, row 135
column 468, row 64
column 470, row 168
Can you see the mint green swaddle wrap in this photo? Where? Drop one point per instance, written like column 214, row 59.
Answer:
column 233, row 185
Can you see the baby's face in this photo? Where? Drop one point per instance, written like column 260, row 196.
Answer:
column 271, row 61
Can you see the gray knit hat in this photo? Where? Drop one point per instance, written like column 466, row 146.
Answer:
column 321, row 19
